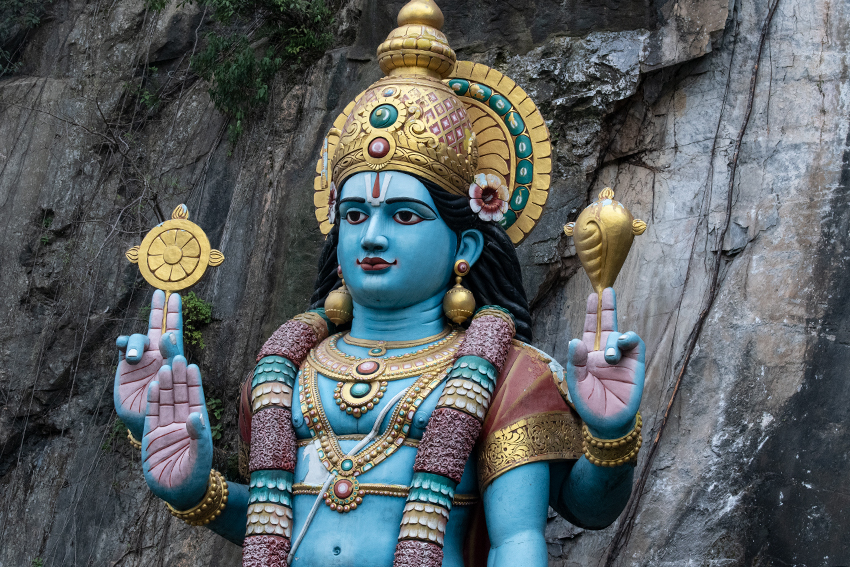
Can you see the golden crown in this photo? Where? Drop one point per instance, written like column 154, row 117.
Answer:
column 464, row 126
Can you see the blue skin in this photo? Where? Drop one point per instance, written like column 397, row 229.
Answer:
column 404, row 302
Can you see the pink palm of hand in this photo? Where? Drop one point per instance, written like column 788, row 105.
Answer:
column 606, row 393
column 139, row 361
column 177, row 443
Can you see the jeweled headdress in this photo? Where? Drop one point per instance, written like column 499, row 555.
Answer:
column 462, row 125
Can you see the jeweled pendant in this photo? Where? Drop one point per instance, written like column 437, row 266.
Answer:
column 357, row 398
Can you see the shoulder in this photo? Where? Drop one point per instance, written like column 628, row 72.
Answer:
column 528, row 420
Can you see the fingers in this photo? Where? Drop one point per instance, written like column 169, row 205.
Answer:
column 152, row 412
column 169, row 345
column 609, row 310
column 136, row 346
column 589, row 334
column 174, row 320
column 628, row 341
column 609, row 318
column 196, row 390
column 200, row 446
column 195, row 425
column 181, row 390
column 612, row 348
column 121, row 343
column 155, row 319
column 166, row 396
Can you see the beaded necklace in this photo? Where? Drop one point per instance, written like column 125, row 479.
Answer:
column 344, row 493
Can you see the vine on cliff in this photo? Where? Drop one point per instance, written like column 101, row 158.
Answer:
column 251, row 42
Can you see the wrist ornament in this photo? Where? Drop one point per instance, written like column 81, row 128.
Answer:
column 135, row 443
column 210, row 507
column 613, row 452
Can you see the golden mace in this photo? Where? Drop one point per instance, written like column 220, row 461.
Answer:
column 603, row 234
column 174, row 255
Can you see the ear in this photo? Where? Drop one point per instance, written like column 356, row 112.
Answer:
column 470, row 247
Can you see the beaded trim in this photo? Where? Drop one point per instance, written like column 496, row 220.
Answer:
column 396, row 490
column 208, row 509
column 335, row 364
column 379, row 348
column 613, row 452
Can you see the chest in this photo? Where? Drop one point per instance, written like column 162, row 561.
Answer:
column 328, row 406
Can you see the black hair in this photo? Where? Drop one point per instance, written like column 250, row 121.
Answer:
column 495, row 279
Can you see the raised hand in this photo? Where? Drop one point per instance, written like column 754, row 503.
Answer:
column 177, row 442
column 606, row 385
column 140, row 358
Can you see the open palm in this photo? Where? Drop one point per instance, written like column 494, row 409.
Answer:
column 140, row 358
column 606, row 385
column 177, row 442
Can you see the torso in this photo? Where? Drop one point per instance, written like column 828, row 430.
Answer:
column 335, row 538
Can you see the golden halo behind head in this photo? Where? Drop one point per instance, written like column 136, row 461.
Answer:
column 441, row 120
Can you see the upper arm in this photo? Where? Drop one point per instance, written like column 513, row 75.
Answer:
column 516, row 505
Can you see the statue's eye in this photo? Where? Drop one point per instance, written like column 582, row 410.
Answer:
column 407, row 217
column 355, row 217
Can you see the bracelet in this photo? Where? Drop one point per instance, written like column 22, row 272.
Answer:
column 136, row 444
column 210, row 507
column 613, row 452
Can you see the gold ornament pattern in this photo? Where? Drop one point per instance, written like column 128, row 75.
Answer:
column 543, row 437
column 175, row 254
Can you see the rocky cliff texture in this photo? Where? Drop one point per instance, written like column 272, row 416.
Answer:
column 722, row 124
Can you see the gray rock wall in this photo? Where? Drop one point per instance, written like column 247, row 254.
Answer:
column 738, row 162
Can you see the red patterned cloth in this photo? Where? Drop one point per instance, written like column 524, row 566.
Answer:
column 274, row 445
column 293, row 339
column 410, row 553
column 447, row 443
column 488, row 337
column 265, row 551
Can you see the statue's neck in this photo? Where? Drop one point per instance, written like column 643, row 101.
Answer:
column 418, row 321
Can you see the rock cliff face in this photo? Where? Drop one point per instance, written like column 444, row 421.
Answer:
column 722, row 124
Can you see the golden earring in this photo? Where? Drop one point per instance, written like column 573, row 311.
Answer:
column 459, row 303
column 338, row 305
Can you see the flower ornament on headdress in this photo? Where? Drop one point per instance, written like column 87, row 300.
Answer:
column 332, row 198
column 488, row 196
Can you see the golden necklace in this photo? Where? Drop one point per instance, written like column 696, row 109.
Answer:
column 344, row 493
column 379, row 348
column 335, row 364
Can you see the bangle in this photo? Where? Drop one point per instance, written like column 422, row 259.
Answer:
column 210, row 507
column 613, row 452
column 133, row 441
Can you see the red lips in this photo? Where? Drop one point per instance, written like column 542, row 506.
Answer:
column 374, row 264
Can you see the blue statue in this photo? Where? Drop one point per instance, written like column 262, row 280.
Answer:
column 381, row 431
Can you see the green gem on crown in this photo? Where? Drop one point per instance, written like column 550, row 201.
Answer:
column 383, row 116
column 347, row 464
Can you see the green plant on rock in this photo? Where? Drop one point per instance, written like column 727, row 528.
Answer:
column 118, row 430
column 196, row 314
column 215, row 409
column 239, row 71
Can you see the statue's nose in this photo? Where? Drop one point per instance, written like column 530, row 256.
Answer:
column 374, row 239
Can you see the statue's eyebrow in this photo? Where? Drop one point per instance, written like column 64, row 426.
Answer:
column 353, row 200
column 409, row 200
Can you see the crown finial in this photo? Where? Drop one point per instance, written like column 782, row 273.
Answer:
column 417, row 46
column 423, row 12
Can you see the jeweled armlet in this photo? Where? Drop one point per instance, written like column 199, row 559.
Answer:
column 273, row 444
column 451, row 433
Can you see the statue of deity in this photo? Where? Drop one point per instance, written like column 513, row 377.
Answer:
column 404, row 419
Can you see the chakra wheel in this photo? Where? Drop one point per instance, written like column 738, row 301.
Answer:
column 513, row 141
column 175, row 254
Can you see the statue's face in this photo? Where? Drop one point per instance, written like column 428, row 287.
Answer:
column 394, row 249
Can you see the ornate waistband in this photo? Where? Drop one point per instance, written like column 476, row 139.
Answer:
column 398, row 490
column 359, row 437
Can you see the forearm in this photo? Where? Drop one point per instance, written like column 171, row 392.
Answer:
column 591, row 496
column 231, row 523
